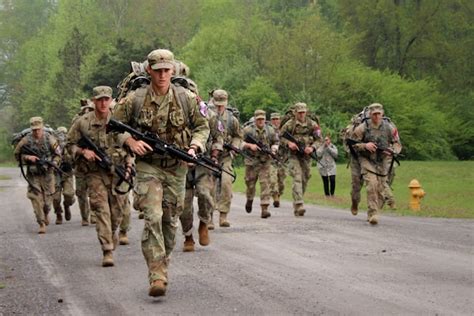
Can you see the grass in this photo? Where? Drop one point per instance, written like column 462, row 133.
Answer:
column 449, row 187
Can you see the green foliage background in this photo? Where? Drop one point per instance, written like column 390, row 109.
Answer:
column 415, row 57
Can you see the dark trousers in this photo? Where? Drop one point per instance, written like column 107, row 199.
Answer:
column 329, row 183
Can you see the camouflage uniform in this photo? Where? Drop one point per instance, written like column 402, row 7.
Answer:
column 160, row 189
column 233, row 136
column 82, row 192
column 309, row 133
column 65, row 181
column 258, row 167
column 356, row 176
column 200, row 182
column 277, row 171
column 41, row 182
column 105, row 202
column 374, row 166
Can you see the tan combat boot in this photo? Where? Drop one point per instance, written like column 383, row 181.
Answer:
column 123, row 238
column 265, row 212
column 59, row 218
column 108, row 260
column 373, row 219
column 276, row 200
column 42, row 229
column 299, row 210
column 46, row 219
column 203, row 234
column 354, row 208
column 157, row 288
column 223, row 222
column 210, row 225
column 85, row 222
column 248, row 206
column 188, row 244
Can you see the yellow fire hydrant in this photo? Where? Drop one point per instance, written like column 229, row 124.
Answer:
column 416, row 194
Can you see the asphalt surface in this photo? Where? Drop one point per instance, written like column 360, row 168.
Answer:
column 328, row 262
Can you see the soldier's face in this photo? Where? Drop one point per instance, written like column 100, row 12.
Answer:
column 38, row 133
column 161, row 78
column 260, row 123
column 276, row 123
column 300, row 116
column 102, row 105
column 376, row 117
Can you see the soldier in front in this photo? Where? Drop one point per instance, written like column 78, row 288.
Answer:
column 171, row 113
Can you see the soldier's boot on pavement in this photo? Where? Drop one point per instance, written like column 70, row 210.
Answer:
column 299, row 210
column 223, row 222
column 67, row 212
column 373, row 219
column 108, row 259
column 248, row 206
column 210, row 225
column 123, row 238
column 354, row 207
column 265, row 212
column 141, row 215
column 84, row 222
column 276, row 200
column 188, row 244
column 42, row 229
column 59, row 218
column 392, row 205
column 157, row 288
column 203, row 234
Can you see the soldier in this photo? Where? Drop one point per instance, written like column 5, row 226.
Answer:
column 41, row 153
column 278, row 170
column 375, row 141
column 259, row 165
column 356, row 176
column 105, row 202
column 327, row 165
column 64, row 181
column 200, row 182
column 307, row 132
column 80, row 177
column 233, row 136
column 172, row 114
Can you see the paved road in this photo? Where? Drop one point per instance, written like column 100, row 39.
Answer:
column 328, row 262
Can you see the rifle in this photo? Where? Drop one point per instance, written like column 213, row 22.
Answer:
column 161, row 147
column 379, row 150
column 301, row 146
column 106, row 164
column 41, row 163
column 262, row 147
column 230, row 147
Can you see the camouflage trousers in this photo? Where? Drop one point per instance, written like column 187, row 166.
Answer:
column 223, row 190
column 388, row 193
column 375, row 184
column 300, row 171
column 160, row 195
column 277, row 180
column 199, row 183
column 65, row 188
column 82, row 195
column 356, row 180
column 107, row 206
column 258, row 171
column 125, row 224
column 40, row 192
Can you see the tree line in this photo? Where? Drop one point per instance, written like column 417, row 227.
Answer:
column 413, row 56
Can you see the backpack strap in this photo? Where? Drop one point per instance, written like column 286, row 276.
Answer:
column 137, row 105
column 182, row 99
